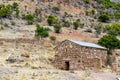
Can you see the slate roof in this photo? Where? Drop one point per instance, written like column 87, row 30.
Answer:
column 87, row 44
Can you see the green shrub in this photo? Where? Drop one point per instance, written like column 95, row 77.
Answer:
column 86, row 1
column 15, row 5
column 76, row 25
column 57, row 28
column 87, row 12
column 51, row 19
column 103, row 18
column 109, row 41
column 114, row 27
column 112, row 32
column 53, row 38
column 17, row 12
column 117, row 15
column 41, row 32
column 29, row 18
column 5, row 11
column 93, row 12
column 56, row 8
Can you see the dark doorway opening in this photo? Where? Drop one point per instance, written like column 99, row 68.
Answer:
column 67, row 65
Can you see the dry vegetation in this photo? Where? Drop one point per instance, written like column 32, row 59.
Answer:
column 26, row 61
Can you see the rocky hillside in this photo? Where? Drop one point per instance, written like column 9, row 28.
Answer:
column 30, row 30
column 94, row 18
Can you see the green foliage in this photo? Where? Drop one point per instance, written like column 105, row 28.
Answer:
column 17, row 12
column 91, row 12
column 112, row 32
column 51, row 19
column 5, row 11
column 29, row 18
column 87, row 12
column 109, row 4
column 56, row 8
column 117, row 6
column 76, row 25
column 117, row 15
column 103, row 18
column 114, row 27
column 111, row 15
column 106, row 3
column 86, row 1
column 109, row 41
column 15, row 5
column 57, row 28
column 41, row 32
column 53, row 38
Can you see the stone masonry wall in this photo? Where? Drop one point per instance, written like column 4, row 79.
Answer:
column 78, row 56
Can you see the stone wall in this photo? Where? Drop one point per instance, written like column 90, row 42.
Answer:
column 79, row 57
column 116, row 60
column 22, row 40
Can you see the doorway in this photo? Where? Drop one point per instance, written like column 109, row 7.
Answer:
column 67, row 65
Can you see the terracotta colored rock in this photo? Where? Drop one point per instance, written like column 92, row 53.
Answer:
column 25, row 54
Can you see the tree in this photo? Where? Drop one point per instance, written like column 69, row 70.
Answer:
column 51, row 19
column 29, row 18
column 110, row 42
column 41, row 32
column 76, row 25
column 57, row 28
column 103, row 18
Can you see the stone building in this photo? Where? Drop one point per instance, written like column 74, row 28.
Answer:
column 76, row 55
column 116, row 60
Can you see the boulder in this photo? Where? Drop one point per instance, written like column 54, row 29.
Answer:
column 25, row 54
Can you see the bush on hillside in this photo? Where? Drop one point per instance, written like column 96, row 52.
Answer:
column 103, row 18
column 57, row 28
column 41, row 32
column 29, row 18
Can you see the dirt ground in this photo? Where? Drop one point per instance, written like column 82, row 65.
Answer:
column 38, row 65
column 15, row 73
